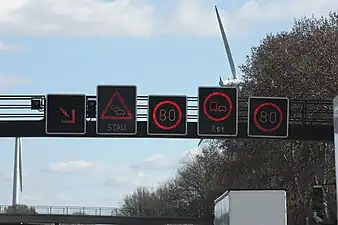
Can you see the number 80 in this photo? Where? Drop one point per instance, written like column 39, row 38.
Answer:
column 268, row 117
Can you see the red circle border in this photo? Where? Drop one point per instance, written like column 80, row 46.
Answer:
column 214, row 118
column 269, row 104
column 158, row 124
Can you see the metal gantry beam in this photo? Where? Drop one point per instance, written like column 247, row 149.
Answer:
column 20, row 117
column 301, row 111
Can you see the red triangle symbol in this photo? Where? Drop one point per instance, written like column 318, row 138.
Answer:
column 116, row 109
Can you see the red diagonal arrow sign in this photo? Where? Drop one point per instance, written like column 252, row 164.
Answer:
column 72, row 119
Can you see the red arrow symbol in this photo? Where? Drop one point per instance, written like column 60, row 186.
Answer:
column 72, row 119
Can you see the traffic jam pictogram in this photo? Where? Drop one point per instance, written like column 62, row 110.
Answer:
column 217, row 111
column 116, row 110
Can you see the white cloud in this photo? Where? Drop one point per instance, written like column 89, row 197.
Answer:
column 127, row 178
column 164, row 162
column 12, row 80
column 77, row 167
column 137, row 18
column 149, row 171
column 76, row 17
column 156, row 162
column 108, row 182
column 6, row 47
column 110, row 175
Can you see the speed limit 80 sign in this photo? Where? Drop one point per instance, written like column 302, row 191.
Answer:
column 167, row 115
column 268, row 117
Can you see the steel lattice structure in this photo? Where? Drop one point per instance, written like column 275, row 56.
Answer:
column 309, row 119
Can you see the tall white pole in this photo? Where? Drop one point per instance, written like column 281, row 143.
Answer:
column 335, row 125
column 15, row 200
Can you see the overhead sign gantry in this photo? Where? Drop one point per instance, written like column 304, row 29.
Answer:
column 33, row 116
column 167, row 115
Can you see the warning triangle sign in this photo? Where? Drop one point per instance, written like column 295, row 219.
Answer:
column 116, row 109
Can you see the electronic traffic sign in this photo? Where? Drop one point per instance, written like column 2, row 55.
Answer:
column 217, row 111
column 65, row 114
column 268, row 117
column 167, row 115
column 116, row 110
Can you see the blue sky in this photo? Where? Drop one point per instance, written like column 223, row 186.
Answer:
column 163, row 47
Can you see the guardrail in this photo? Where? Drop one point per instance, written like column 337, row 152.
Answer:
column 19, row 107
column 89, row 211
column 60, row 210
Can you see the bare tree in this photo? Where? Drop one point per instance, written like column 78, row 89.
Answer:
column 300, row 64
column 142, row 202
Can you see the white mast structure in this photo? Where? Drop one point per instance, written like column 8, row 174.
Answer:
column 17, row 171
column 234, row 79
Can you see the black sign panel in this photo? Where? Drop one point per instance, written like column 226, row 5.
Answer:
column 167, row 115
column 116, row 110
column 65, row 114
column 217, row 111
column 268, row 117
